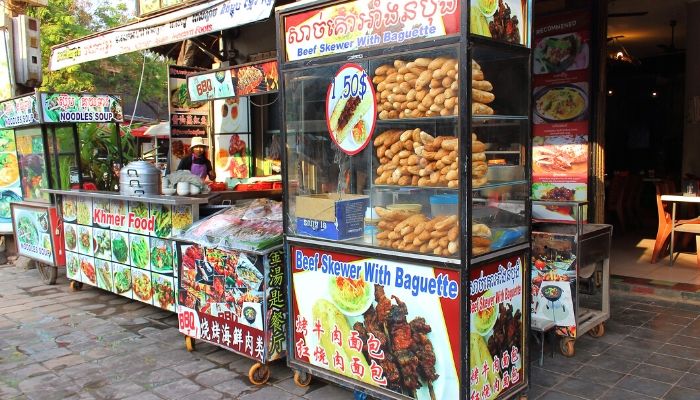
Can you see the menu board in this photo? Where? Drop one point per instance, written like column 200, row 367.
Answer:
column 553, row 280
column 502, row 20
column 221, row 300
column 497, row 363
column 19, row 111
column 33, row 233
column 10, row 189
column 188, row 118
column 124, row 247
column 32, row 164
column 360, row 317
column 561, row 114
column 75, row 107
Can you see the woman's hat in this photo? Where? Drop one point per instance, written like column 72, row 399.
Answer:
column 197, row 141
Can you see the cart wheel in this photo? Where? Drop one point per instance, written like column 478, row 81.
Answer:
column 522, row 397
column 259, row 374
column 597, row 331
column 76, row 286
column 566, row 346
column 302, row 379
column 189, row 343
column 48, row 273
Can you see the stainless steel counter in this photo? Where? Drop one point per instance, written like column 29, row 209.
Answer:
column 157, row 199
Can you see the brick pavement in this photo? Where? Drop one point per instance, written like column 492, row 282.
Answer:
column 58, row 344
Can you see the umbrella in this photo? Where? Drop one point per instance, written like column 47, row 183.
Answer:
column 161, row 129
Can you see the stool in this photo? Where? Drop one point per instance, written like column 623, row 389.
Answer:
column 542, row 326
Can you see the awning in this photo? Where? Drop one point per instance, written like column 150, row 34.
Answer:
column 175, row 26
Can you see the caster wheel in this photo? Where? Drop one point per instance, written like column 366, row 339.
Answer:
column 302, row 379
column 597, row 331
column 189, row 343
column 48, row 273
column 566, row 346
column 259, row 374
column 76, row 286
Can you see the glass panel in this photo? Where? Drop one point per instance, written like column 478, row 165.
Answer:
column 99, row 152
column 67, row 158
column 32, row 164
column 401, row 191
column 500, row 131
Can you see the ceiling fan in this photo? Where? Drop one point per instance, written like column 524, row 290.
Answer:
column 628, row 14
column 672, row 47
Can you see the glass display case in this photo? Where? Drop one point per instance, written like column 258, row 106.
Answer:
column 408, row 195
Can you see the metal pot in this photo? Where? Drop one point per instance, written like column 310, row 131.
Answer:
column 139, row 178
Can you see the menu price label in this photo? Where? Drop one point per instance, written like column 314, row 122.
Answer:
column 351, row 111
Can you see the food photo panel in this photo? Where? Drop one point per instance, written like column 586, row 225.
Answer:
column 163, row 291
column 122, row 280
column 120, row 247
column 232, row 158
column 161, row 256
column 104, row 274
column 141, row 285
column 87, row 269
column 232, row 115
column 139, row 251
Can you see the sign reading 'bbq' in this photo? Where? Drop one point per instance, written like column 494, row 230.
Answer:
column 130, row 220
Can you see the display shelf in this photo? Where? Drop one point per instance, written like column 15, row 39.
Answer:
column 486, row 186
column 488, row 118
column 423, row 120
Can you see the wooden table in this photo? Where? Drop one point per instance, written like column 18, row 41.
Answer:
column 687, row 228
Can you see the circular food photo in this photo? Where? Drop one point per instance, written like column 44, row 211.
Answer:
column 351, row 109
column 352, row 296
column 485, row 319
column 561, row 103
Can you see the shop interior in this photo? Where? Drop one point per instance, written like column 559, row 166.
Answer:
column 648, row 124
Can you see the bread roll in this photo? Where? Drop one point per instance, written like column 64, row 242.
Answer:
column 478, row 147
column 479, row 182
column 482, row 96
column 482, row 85
column 481, row 109
column 481, row 230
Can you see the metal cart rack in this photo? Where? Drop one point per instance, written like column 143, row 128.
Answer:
column 591, row 264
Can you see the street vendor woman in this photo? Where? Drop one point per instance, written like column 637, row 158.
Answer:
column 197, row 163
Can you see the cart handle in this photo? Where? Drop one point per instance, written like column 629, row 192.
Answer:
column 131, row 182
column 128, row 172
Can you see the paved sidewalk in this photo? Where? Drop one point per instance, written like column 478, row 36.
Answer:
column 58, row 344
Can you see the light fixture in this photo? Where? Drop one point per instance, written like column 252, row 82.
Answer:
column 619, row 52
column 610, row 92
column 654, row 94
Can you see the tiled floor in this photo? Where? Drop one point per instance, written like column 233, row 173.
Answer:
column 631, row 255
column 650, row 350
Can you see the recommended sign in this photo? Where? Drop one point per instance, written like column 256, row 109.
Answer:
column 365, row 318
column 561, row 114
column 497, row 330
column 19, row 111
column 364, row 24
column 176, row 26
column 188, row 117
column 70, row 107
column 351, row 111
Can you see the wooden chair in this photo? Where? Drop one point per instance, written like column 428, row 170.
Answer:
column 663, row 233
column 616, row 198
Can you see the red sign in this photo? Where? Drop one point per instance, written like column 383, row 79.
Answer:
column 222, row 331
column 363, row 24
column 497, row 364
column 341, row 321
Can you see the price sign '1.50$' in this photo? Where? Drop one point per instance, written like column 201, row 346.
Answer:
column 351, row 109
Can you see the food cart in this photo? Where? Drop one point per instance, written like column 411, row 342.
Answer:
column 44, row 128
column 407, row 252
column 231, row 283
column 570, row 261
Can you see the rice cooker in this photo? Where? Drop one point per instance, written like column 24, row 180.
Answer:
column 139, row 178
